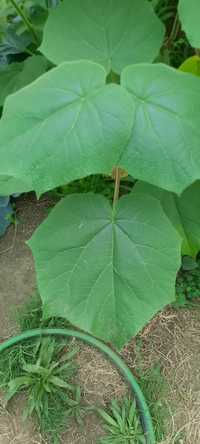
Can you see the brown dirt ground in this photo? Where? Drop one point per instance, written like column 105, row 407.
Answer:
column 172, row 338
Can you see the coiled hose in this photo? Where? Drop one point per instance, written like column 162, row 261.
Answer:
column 145, row 416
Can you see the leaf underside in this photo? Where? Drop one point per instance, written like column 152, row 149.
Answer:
column 106, row 274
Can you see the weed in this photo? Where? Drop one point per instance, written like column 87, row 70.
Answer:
column 188, row 284
column 155, row 388
column 30, row 315
column 44, row 371
column 122, row 423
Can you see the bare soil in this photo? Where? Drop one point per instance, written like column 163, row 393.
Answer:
column 172, row 339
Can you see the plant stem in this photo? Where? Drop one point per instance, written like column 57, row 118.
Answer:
column 25, row 20
column 117, row 186
column 28, row 51
column 174, row 31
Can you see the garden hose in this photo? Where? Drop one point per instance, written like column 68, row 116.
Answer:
column 114, row 357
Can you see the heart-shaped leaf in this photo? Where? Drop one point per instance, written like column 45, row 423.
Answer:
column 189, row 13
column 164, row 146
column 69, row 124
column 17, row 75
column 106, row 272
column 66, row 125
column 110, row 32
column 183, row 212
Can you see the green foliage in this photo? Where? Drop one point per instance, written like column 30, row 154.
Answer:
column 98, row 183
column 17, row 31
column 179, row 51
column 108, row 113
column 176, row 47
column 18, row 75
column 107, row 270
column 189, row 13
column 30, row 316
column 192, row 64
column 122, row 424
column 82, row 125
column 12, row 45
column 41, row 378
column 21, row 24
column 115, row 279
column 63, row 404
column 163, row 127
column 63, row 117
column 155, row 390
column 43, row 370
column 188, row 284
column 183, row 212
column 104, row 32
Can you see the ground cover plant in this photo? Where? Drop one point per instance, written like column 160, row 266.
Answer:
column 171, row 339
column 122, row 423
column 188, row 284
column 44, row 372
column 30, row 369
column 104, row 107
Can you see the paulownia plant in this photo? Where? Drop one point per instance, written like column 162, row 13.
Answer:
column 107, row 268
column 189, row 12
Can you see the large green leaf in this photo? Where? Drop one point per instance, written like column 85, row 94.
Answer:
column 183, row 212
column 69, row 124
column 107, row 274
column 189, row 13
column 65, row 125
column 113, row 33
column 164, row 148
column 17, row 75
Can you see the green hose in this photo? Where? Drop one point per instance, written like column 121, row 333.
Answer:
column 114, row 357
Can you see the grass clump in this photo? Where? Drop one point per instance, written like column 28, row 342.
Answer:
column 44, row 370
column 155, row 389
column 121, row 423
column 30, row 316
